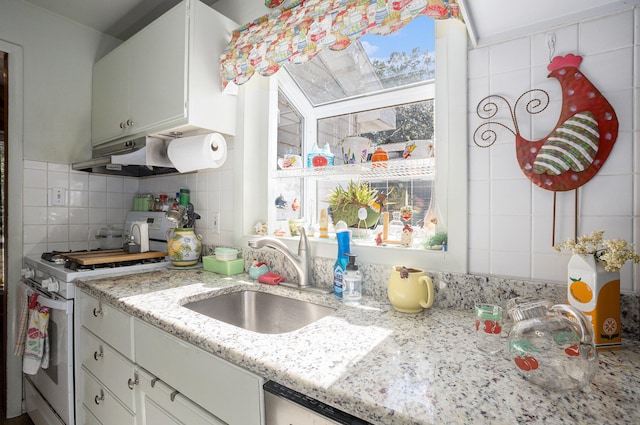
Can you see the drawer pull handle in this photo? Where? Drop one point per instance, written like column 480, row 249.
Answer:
column 99, row 399
column 133, row 382
column 174, row 394
column 98, row 354
column 153, row 382
column 98, row 312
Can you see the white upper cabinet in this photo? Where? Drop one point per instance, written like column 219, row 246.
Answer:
column 165, row 78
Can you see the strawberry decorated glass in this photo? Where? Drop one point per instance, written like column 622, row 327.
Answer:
column 488, row 327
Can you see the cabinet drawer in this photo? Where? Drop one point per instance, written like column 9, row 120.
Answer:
column 163, row 405
column 113, row 370
column 112, row 325
column 98, row 400
column 86, row 418
column 229, row 392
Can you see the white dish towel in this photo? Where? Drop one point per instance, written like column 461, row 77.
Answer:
column 36, row 350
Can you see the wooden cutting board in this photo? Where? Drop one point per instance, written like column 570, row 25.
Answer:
column 89, row 258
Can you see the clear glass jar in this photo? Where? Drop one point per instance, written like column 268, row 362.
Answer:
column 551, row 345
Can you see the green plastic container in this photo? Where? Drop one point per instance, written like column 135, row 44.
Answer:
column 210, row 264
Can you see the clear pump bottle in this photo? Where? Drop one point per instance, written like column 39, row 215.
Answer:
column 351, row 282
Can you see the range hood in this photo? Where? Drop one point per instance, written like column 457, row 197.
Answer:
column 138, row 157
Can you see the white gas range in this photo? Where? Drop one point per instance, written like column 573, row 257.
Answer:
column 49, row 393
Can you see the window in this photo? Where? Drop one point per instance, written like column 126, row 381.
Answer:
column 257, row 140
column 369, row 72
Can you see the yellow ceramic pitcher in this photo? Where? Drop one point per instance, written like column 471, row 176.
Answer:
column 410, row 290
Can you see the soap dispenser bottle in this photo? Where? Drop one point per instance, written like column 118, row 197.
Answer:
column 351, row 282
column 343, row 236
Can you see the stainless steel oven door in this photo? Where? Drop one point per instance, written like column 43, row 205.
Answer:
column 54, row 385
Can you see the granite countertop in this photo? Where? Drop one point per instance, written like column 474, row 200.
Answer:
column 378, row 364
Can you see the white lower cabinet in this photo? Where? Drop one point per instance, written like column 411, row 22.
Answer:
column 152, row 387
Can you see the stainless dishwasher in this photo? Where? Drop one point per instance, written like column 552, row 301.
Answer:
column 284, row 406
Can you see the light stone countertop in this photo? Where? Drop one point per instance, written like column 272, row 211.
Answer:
column 378, row 364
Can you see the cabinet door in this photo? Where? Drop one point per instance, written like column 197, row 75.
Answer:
column 110, row 98
column 159, row 404
column 158, row 71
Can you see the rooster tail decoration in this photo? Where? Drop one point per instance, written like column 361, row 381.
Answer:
column 578, row 146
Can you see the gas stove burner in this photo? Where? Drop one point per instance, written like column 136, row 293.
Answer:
column 54, row 256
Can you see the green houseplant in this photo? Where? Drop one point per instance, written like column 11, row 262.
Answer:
column 345, row 203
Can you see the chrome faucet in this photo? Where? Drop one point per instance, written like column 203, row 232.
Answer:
column 301, row 263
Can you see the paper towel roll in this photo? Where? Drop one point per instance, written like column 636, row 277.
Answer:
column 198, row 152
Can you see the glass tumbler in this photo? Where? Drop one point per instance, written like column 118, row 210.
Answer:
column 488, row 327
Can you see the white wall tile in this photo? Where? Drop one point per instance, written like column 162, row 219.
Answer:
column 34, row 197
column 479, row 232
column 37, row 165
column 512, row 197
column 510, row 56
column 479, row 197
column 510, row 263
column 602, row 196
column 115, row 200
column 504, row 161
column 35, row 215
column 479, row 261
column 57, row 179
column 35, row 234
column 78, row 181
column 97, row 183
column 549, row 267
column 35, row 178
column 115, row 184
column 478, row 63
column 606, row 33
column 63, row 168
column 98, row 199
column 78, row 216
column 57, row 215
column 610, row 71
column 78, row 198
column 511, row 233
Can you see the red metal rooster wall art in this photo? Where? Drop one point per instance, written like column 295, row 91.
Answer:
column 580, row 143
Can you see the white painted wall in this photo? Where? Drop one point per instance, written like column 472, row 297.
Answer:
column 510, row 219
column 58, row 63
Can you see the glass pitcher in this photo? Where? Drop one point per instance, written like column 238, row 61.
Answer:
column 551, row 345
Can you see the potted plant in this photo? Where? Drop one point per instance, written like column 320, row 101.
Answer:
column 351, row 204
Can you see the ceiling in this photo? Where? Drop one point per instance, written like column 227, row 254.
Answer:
column 488, row 20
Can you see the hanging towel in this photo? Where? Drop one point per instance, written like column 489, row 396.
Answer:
column 23, row 319
column 36, row 350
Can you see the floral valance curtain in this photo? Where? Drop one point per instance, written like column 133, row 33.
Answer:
column 297, row 30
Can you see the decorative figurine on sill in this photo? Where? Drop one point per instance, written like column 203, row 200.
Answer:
column 281, row 202
column 295, row 205
column 260, row 228
column 257, row 269
column 379, row 240
column 406, row 239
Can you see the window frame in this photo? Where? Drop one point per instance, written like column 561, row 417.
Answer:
column 258, row 139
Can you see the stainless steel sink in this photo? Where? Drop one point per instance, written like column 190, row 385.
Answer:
column 260, row 312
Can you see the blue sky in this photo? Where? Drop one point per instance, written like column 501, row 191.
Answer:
column 417, row 33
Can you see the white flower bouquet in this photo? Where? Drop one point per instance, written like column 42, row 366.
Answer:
column 613, row 253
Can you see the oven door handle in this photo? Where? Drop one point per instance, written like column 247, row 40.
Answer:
column 45, row 300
